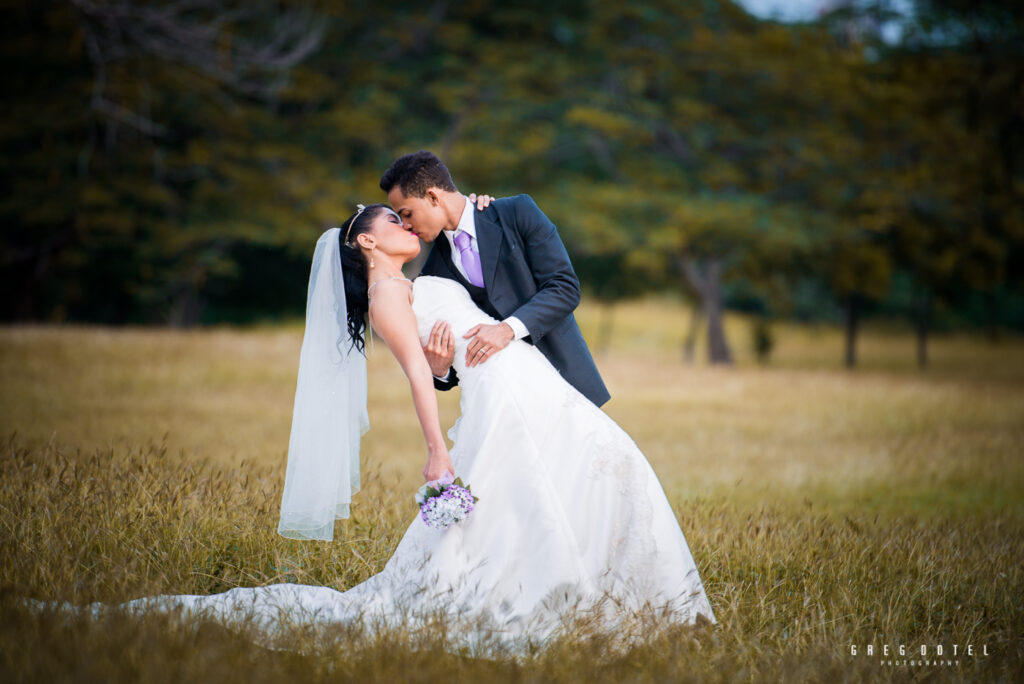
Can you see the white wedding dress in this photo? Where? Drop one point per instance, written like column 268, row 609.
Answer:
column 570, row 516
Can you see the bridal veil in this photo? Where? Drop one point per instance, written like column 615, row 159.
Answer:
column 330, row 415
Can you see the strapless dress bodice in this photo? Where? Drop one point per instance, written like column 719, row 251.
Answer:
column 442, row 299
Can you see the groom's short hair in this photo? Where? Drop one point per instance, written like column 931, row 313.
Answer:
column 417, row 172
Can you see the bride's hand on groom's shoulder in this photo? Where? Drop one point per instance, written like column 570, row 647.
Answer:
column 481, row 201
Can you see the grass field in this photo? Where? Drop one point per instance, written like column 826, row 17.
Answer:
column 825, row 508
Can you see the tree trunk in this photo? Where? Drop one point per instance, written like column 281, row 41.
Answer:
column 690, row 341
column 923, row 323
column 708, row 288
column 718, row 348
column 852, row 314
column 185, row 310
column 30, row 268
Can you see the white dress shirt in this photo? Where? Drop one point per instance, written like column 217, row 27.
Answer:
column 467, row 224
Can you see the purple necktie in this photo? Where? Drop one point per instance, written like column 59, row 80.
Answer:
column 470, row 259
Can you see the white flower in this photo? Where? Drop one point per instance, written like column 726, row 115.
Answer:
column 421, row 495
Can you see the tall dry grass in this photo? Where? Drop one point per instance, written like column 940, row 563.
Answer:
column 824, row 508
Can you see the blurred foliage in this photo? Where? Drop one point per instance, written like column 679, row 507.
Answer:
column 165, row 163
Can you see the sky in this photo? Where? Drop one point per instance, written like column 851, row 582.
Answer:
column 807, row 10
column 785, row 10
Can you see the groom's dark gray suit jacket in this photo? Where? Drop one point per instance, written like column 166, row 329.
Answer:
column 527, row 274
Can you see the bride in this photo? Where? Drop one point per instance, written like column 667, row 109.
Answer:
column 571, row 518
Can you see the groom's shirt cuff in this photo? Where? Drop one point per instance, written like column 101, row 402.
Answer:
column 518, row 328
column 444, row 378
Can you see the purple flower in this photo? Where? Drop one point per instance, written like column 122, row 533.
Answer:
column 442, row 504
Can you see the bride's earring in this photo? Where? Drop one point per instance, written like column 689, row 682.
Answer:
column 371, row 257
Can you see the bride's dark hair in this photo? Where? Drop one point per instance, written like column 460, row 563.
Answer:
column 353, row 268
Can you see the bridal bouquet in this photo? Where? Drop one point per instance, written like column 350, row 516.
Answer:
column 445, row 502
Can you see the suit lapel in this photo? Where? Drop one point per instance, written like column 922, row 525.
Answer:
column 488, row 241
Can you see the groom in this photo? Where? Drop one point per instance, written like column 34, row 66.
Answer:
column 510, row 259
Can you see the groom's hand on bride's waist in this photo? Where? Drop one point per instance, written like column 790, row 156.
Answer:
column 487, row 340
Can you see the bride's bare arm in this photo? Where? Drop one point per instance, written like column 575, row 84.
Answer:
column 391, row 315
